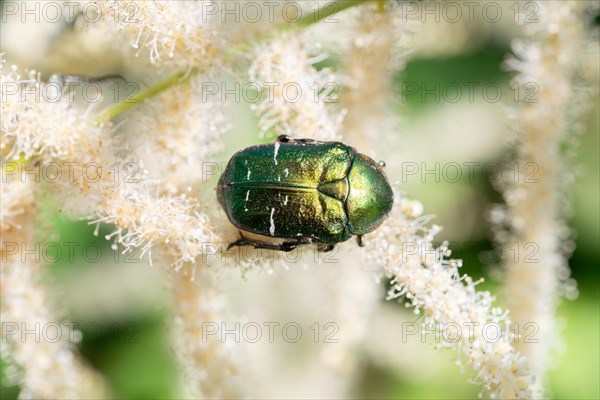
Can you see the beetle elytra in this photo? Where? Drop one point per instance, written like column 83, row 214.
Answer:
column 300, row 191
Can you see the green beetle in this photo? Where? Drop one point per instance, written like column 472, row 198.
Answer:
column 301, row 191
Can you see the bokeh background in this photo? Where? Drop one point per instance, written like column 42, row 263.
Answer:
column 128, row 300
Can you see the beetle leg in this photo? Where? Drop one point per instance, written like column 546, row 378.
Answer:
column 285, row 246
column 255, row 244
column 289, row 139
column 359, row 239
column 284, row 139
column 289, row 246
column 325, row 248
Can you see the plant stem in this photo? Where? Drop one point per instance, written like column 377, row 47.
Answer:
column 314, row 17
column 321, row 13
column 116, row 109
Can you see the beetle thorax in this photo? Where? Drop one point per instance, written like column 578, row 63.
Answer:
column 370, row 197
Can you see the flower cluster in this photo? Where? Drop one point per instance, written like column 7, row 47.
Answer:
column 302, row 101
column 536, row 204
column 43, row 368
column 191, row 136
column 430, row 282
column 145, row 218
column 145, row 213
column 368, row 71
column 211, row 367
column 173, row 34
column 35, row 126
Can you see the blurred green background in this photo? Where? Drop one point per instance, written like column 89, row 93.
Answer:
column 146, row 369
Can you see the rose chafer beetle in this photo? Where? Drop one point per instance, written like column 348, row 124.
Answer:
column 302, row 191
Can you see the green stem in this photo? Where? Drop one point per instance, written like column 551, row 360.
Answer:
column 319, row 14
column 116, row 109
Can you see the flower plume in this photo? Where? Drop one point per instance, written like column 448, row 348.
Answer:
column 44, row 368
column 534, row 215
column 298, row 99
column 144, row 218
column 173, row 34
column 431, row 283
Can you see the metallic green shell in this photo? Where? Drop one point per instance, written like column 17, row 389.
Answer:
column 273, row 190
column 292, row 189
column 370, row 198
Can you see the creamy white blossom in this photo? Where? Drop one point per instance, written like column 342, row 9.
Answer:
column 145, row 218
column 117, row 192
column 39, row 121
column 45, row 368
column 533, row 231
column 170, row 33
column 210, row 364
column 17, row 198
column 295, row 98
column 191, row 130
column 428, row 281
column 368, row 73
column 39, row 349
